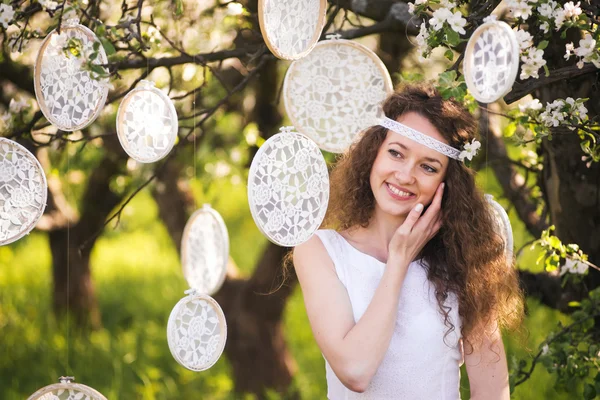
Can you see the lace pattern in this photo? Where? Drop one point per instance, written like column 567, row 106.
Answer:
column 491, row 61
column 291, row 27
column 67, row 391
column 147, row 123
column 419, row 137
column 205, row 250
column 68, row 96
column 197, row 332
column 23, row 191
column 335, row 92
column 288, row 188
column 503, row 226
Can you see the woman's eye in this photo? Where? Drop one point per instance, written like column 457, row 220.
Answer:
column 429, row 169
column 394, row 153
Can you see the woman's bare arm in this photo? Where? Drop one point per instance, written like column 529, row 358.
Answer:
column 488, row 370
column 354, row 351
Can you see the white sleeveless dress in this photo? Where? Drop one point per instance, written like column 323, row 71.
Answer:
column 420, row 364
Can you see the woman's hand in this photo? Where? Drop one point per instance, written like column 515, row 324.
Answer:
column 417, row 230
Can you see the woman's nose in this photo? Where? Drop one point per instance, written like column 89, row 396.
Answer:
column 405, row 174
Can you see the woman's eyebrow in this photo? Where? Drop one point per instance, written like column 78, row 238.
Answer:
column 425, row 158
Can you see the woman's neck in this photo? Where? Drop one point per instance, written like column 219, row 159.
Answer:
column 375, row 238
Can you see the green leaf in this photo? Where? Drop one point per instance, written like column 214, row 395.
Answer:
column 554, row 242
column 589, row 392
column 108, row 46
column 546, row 70
column 98, row 69
column 178, row 8
column 452, row 37
column 574, row 304
column 449, row 54
column 510, row 130
column 542, row 45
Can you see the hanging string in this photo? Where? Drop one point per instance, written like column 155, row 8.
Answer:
column 68, row 261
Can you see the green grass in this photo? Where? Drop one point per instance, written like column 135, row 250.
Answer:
column 138, row 280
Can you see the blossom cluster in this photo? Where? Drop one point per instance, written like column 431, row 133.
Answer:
column 559, row 111
column 447, row 20
column 532, row 57
column 586, row 51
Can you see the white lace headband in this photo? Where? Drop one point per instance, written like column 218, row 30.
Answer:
column 469, row 151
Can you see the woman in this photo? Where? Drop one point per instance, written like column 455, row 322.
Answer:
column 413, row 268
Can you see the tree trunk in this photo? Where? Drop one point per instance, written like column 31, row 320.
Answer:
column 71, row 247
column 571, row 189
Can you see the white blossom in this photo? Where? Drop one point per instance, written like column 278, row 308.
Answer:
column 545, row 349
column 533, row 60
column 580, row 64
column 545, row 26
column 6, row 15
column 570, row 11
column 553, row 115
column 569, row 52
column 421, row 38
column 440, row 16
column 470, row 150
column 534, row 105
column 490, row 18
column 573, row 267
column 457, row 22
column 48, row 4
column 519, row 9
column 586, row 46
column 448, row 4
column 524, row 38
column 547, row 9
column 16, row 106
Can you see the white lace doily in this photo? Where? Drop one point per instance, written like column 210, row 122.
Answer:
column 291, row 28
column 68, row 96
column 205, row 250
column 197, row 331
column 23, row 191
column 503, row 226
column 67, row 390
column 491, row 61
column 288, row 188
column 335, row 92
column 147, row 123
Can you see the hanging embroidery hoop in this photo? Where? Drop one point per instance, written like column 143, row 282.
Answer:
column 503, row 225
column 66, row 390
column 291, row 28
column 205, row 250
column 23, row 191
column 68, row 96
column 197, row 331
column 320, row 103
column 147, row 123
column 491, row 61
column 288, row 188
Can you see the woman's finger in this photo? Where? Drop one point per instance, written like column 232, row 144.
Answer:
column 411, row 219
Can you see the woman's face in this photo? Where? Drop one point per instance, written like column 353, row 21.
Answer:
column 406, row 172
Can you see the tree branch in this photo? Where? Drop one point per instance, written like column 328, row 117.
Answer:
column 521, row 90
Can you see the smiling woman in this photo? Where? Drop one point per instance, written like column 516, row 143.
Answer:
column 411, row 268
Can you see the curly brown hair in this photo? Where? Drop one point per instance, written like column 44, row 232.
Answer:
column 466, row 256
